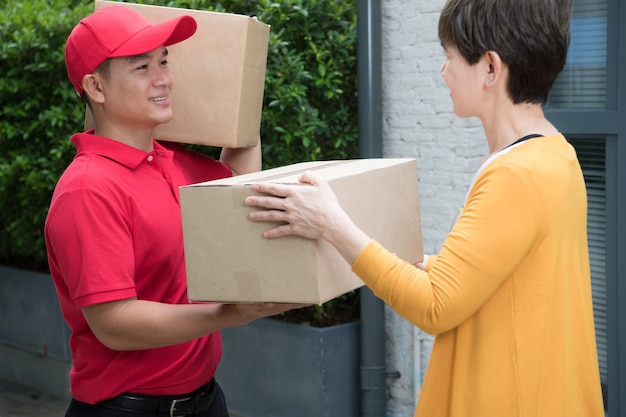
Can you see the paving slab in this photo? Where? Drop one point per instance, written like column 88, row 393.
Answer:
column 21, row 401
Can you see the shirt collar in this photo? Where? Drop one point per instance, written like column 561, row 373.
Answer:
column 88, row 142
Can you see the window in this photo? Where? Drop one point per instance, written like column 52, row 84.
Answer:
column 591, row 154
column 583, row 105
column 582, row 84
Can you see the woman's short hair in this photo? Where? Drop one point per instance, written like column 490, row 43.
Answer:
column 530, row 36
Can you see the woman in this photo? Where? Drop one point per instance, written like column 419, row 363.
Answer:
column 509, row 295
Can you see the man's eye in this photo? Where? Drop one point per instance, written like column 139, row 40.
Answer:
column 164, row 62
column 142, row 67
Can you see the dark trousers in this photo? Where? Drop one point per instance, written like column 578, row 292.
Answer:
column 80, row 409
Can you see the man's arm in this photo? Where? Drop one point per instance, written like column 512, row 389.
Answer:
column 133, row 324
column 242, row 160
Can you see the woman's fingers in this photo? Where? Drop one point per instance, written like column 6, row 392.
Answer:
column 267, row 202
column 270, row 188
column 299, row 207
column 268, row 216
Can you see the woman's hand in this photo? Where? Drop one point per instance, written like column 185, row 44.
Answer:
column 308, row 209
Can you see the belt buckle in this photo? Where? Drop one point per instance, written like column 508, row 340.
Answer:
column 173, row 407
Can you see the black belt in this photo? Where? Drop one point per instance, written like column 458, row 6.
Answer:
column 173, row 406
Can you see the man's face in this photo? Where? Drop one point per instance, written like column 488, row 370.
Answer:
column 137, row 90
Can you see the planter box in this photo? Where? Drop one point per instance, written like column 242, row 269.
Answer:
column 277, row 369
column 34, row 349
column 32, row 318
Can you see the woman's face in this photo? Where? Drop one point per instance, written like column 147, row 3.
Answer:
column 465, row 82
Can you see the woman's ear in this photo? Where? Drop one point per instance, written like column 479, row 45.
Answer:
column 495, row 67
column 92, row 86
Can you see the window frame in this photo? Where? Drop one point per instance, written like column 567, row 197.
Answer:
column 610, row 123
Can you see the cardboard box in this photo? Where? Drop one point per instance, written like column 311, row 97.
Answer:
column 219, row 77
column 228, row 260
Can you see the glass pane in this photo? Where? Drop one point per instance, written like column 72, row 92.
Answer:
column 591, row 154
column 582, row 84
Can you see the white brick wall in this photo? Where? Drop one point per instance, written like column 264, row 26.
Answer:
column 418, row 122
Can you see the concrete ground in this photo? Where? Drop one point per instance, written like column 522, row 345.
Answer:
column 20, row 401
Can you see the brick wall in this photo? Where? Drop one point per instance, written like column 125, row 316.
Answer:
column 418, row 122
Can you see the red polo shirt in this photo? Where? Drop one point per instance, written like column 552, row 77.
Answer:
column 113, row 232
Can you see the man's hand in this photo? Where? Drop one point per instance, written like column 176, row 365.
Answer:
column 249, row 312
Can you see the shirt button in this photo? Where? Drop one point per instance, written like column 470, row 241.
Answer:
column 150, row 158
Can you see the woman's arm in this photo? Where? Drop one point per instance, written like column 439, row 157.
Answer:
column 489, row 241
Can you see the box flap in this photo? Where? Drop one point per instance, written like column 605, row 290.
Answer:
column 290, row 174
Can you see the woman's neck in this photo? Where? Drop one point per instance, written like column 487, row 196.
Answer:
column 503, row 128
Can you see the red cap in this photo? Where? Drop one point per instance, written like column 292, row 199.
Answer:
column 117, row 31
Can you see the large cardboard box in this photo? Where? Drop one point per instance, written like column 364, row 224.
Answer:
column 219, row 77
column 228, row 260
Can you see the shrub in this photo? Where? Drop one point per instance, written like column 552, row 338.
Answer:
column 37, row 114
column 309, row 105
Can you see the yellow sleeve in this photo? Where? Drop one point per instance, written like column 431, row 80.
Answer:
column 493, row 234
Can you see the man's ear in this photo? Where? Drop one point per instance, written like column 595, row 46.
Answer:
column 92, row 86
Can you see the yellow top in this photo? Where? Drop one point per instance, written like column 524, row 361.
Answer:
column 509, row 295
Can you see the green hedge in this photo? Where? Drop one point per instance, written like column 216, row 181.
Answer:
column 309, row 104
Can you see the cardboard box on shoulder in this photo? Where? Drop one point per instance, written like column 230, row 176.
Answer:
column 219, row 77
column 228, row 259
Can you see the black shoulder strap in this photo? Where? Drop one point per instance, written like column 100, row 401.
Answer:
column 531, row 136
